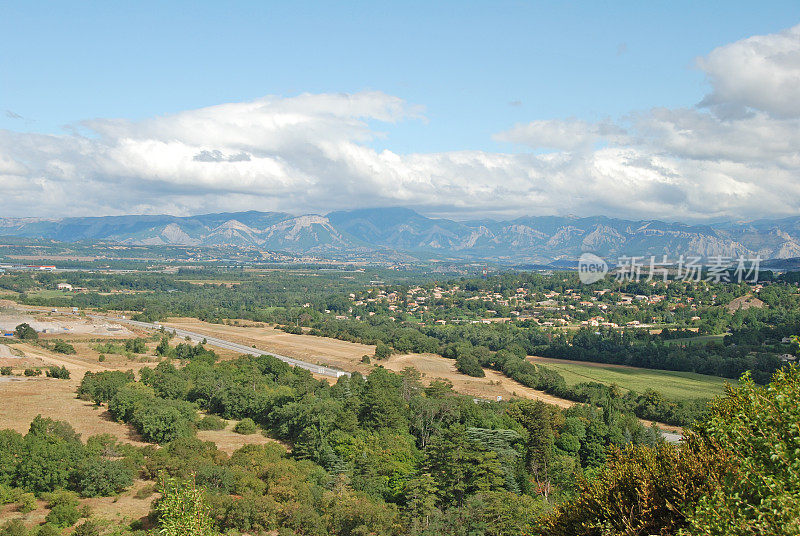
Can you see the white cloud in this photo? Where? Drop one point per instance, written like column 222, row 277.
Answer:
column 313, row 153
column 565, row 135
column 760, row 73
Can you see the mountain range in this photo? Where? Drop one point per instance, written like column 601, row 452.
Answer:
column 536, row 239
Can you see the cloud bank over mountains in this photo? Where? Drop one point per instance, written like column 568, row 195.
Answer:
column 735, row 155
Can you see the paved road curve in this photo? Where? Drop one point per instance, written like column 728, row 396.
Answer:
column 241, row 348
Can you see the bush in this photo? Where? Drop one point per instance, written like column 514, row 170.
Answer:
column 63, row 348
column 15, row 527
column 211, row 422
column 136, row 346
column 48, row 530
column 33, row 372
column 246, row 426
column 58, row 372
column 5, row 371
column 26, row 502
column 87, row 528
column 101, row 358
column 63, row 515
column 366, row 359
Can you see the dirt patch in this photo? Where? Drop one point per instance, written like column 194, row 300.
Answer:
column 24, row 400
column 319, row 350
column 744, row 303
column 495, row 384
column 61, row 325
column 228, row 441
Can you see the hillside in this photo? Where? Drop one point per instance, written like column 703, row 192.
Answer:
column 538, row 239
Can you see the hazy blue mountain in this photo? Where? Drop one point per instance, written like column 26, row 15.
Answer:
column 534, row 239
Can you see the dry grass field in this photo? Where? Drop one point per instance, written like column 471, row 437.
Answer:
column 26, row 398
column 228, row 441
column 131, row 505
column 347, row 356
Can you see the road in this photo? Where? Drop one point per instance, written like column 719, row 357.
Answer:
column 228, row 345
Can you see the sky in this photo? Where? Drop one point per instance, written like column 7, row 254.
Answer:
column 668, row 110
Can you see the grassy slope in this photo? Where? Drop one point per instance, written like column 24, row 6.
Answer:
column 676, row 385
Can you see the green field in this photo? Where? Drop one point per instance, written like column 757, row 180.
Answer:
column 700, row 339
column 675, row 385
column 49, row 294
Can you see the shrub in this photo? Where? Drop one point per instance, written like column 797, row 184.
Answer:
column 102, row 386
column 63, row 515
column 33, row 372
column 48, row 530
column 161, row 423
column 101, row 358
column 5, row 371
column 136, row 346
column 182, row 509
column 246, row 426
column 15, row 527
column 211, row 422
column 64, row 348
column 60, row 373
column 26, row 502
column 366, row 359
column 87, row 528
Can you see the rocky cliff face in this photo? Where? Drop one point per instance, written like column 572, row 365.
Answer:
column 531, row 239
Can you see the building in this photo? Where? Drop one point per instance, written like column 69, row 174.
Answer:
column 64, row 286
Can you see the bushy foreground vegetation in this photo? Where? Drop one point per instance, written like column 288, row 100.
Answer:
column 384, row 455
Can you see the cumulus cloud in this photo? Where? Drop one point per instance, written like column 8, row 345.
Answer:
column 759, row 73
column 315, row 153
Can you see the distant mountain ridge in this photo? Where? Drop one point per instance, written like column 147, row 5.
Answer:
column 534, row 239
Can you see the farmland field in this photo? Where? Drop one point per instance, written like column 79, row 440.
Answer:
column 675, row 385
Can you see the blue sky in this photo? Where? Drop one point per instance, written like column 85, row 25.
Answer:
column 684, row 111
column 476, row 67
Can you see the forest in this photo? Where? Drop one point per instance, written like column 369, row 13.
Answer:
column 384, row 455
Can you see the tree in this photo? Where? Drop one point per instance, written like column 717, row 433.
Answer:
column 468, row 364
column 461, row 467
column 26, row 332
column 420, row 499
column 757, row 427
column 382, row 351
column 182, row 509
column 539, row 420
column 163, row 348
column 383, row 405
column 136, row 346
column 99, row 477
